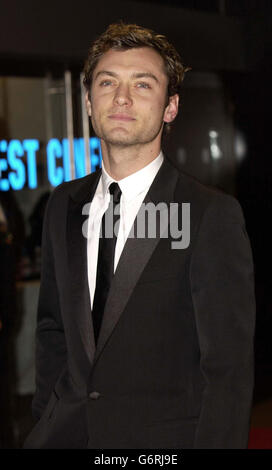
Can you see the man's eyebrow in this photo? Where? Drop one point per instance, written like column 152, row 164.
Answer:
column 134, row 75
column 105, row 72
column 145, row 75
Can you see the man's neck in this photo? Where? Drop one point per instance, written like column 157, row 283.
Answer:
column 120, row 162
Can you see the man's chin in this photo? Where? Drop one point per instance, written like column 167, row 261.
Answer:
column 121, row 142
column 120, row 139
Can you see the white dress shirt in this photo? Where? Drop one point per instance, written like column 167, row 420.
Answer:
column 134, row 189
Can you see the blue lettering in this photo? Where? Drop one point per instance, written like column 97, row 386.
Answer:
column 4, row 184
column 31, row 146
column 58, row 171
column 66, row 160
column 54, row 151
column 96, row 154
column 18, row 177
column 3, row 145
column 79, row 157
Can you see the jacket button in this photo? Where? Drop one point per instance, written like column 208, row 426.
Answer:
column 94, row 395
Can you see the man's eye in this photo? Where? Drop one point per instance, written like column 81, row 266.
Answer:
column 106, row 83
column 143, row 85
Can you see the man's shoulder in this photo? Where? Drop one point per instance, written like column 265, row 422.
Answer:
column 204, row 197
column 193, row 188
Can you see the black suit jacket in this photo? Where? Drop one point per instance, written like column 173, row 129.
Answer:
column 173, row 367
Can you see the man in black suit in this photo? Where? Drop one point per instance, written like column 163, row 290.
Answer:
column 142, row 343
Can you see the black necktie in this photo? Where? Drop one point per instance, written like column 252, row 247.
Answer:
column 105, row 261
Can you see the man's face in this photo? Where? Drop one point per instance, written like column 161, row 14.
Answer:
column 128, row 98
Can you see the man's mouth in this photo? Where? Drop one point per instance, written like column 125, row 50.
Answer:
column 121, row 117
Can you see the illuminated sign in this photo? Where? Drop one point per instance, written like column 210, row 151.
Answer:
column 18, row 164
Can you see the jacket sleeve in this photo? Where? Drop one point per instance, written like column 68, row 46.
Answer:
column 50, row 339
column 222, row 283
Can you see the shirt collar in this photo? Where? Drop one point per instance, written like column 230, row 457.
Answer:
column 137, row 182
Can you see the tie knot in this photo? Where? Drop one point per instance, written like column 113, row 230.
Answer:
column 116, row 192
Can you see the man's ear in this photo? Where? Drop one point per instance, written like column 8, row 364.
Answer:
column 171, row 109
column 88, row 104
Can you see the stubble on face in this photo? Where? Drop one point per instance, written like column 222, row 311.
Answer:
column 141, row 110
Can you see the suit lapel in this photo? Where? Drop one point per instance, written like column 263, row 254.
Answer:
column 135, row 256
column 77, row 261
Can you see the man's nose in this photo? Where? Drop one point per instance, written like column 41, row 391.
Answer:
column 122, row 96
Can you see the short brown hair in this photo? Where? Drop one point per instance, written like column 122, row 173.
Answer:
column 121, row 36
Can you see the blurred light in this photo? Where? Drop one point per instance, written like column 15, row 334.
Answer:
column 215, row 150
column 213, row 134
column 240, row 147
column 181, row 155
